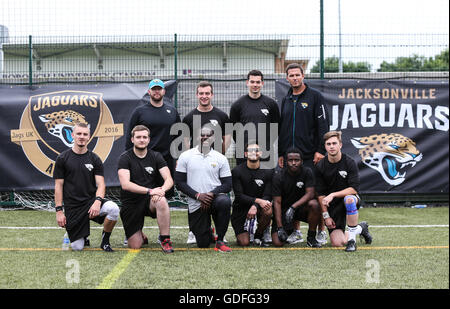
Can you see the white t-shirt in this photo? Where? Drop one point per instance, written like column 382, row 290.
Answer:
column 203, row 172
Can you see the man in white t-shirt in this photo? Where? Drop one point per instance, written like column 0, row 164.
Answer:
column 204, row 175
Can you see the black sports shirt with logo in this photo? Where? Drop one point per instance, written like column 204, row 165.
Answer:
column 261, row 110
column 143, row 171
column 159, row 120
column 215, row 117
column 333, row 177
column 78, row 172
column 291, row 188
column 249, row 184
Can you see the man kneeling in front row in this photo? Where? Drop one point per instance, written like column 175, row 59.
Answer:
column 138, row 171
column 294, row 199
column 337, row 186
column 80, row 186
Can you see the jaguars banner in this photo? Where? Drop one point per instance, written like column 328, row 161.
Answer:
column 397, row 131
column 37, row 126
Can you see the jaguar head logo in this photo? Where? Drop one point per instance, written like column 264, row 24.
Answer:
column 391, row 155
column 61, row 123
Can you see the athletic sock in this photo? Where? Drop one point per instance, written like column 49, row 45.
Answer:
column 105, row 237
column 353, row 231
column 311, row 234
column 162, row 237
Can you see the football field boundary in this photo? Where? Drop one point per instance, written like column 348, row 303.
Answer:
column 187, row 227
column 182, row 249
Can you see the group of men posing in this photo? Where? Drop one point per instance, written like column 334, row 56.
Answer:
column 313, row 181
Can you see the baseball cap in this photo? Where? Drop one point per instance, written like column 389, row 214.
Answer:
column 156, row 82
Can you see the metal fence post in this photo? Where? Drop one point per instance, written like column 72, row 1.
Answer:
column 175, row 56
column 30, row 61
column 322, row 61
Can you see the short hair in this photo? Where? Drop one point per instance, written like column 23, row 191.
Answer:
column 82, row 125
column 294, row 65
column 331, row 134
column 203, row 84
column 255, row 73
column 140, row 127
column 294, row 150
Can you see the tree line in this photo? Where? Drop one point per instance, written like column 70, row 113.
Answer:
column 414, row 63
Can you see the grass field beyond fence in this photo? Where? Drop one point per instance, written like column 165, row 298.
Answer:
column 410, row 250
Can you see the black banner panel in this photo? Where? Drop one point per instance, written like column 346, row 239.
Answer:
column 37, row 124
column 396, row 131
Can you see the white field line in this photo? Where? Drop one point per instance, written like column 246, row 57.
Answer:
column 187, row 227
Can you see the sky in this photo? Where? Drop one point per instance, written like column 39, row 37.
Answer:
column 118, row 17
column 362, row 22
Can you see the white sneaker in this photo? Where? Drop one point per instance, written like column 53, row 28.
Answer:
column 267, row 237
column 295, row 237
column 191, row 238
column 322, row 237
column 125, row 241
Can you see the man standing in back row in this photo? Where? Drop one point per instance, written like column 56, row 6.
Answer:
column 255, row 108
column 206, row 114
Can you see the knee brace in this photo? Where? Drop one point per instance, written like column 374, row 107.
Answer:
column 111, row 209
column 77, row 245
column 350, row 203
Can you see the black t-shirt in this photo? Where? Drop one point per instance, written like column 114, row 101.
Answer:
column 159, row 120
column 143, row 171
column 215, row 117
column 78, row 172
column 249, row 184
column 261, row 110
column 291, row 188
column 333, row 177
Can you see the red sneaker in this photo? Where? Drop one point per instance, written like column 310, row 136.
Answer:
column 220, row 246
column 166, row 246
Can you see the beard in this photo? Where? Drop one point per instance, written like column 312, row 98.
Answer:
column 156, row 99
column 141, row 148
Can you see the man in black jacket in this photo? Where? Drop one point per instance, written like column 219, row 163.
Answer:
column 304, row 119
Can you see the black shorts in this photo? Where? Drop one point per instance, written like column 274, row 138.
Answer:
column 78, row 222
column 133, row 215
column 238, row 218
column 300, row 214
column 338, row 212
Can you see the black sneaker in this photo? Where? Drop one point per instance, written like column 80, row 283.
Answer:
column 106, row 248
column 87, row 242
column 260, row 243
column 365, row 232
column 351, row 246
column 312, row 242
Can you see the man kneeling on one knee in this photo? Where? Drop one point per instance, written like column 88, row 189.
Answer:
column 294, row 199
column 138, row 171
column 337, row 184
